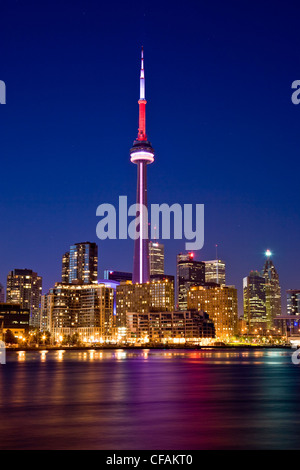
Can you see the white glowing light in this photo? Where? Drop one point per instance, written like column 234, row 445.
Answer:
column 136, row 156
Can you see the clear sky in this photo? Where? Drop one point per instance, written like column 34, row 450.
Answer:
column 219, row 115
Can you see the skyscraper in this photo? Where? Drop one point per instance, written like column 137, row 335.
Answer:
column 273, row 290
column 255, row 312
column 24, row 287
column 157, row 258
column 215, row 272
column 189, row 273
column 142, row 154
column 80, row 264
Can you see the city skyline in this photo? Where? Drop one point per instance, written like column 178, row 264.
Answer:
column 53, row 215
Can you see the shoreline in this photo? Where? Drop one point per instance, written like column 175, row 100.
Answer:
column 158, row 347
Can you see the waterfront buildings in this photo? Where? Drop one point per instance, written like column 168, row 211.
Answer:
column 189, row 273
column 215, row 272
column 169, row 327
column 220, row 303
column 80, row 264
column 142, row 154
column 86, row 310
column 154, row 296
column 14, row 318
column 24, row 287
column 157, row 258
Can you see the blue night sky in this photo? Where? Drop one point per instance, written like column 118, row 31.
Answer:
column 219, row 115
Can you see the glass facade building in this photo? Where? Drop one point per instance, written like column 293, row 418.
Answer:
column 80, row 264
column 157, row 258
column 273, row 292
column 215, row 272
column 255, row 311
column 189, row 273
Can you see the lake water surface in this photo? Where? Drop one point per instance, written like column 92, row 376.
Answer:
column 150, row 399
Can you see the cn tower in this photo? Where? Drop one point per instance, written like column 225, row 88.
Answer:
column 142, row 154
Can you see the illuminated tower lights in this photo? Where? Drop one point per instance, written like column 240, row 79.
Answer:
column 142, row 154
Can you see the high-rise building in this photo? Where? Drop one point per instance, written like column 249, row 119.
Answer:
column 142, row 154
column 189, row 273
column 157, row 258
column 154, row 296
column 220, row 303
column 273, row 290
column 80, row 264
column 215, row 272
column 293, row 302
column 118, row 276
column 2, row 294
column 24, row 287
column 255, row 312
column 86, row 309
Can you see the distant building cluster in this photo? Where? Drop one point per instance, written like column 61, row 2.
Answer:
column 195, row 306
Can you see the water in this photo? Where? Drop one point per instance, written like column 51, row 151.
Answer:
column 150, row 399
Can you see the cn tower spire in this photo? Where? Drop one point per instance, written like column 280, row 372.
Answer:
column 142, row 77
column 142, row 154
column 142, row 103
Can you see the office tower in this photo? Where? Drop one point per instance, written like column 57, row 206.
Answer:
column 142, row 154
column 157, row 258
column 153, row 296
column 189, row 273
column 80, row 264
column 117, row 276
column 86, row 310
column 293, row 302
column 169, row 327
column 220, row 303
column 215, row 272
column 24, row 287
column 255, row 312
column 273, row 290
column 2, row 294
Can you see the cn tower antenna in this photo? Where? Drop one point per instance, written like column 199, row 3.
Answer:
column 142, row 77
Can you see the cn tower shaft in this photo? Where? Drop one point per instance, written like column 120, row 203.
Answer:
column 142, row 154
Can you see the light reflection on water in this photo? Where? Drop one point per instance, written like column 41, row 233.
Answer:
column 150, row 399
